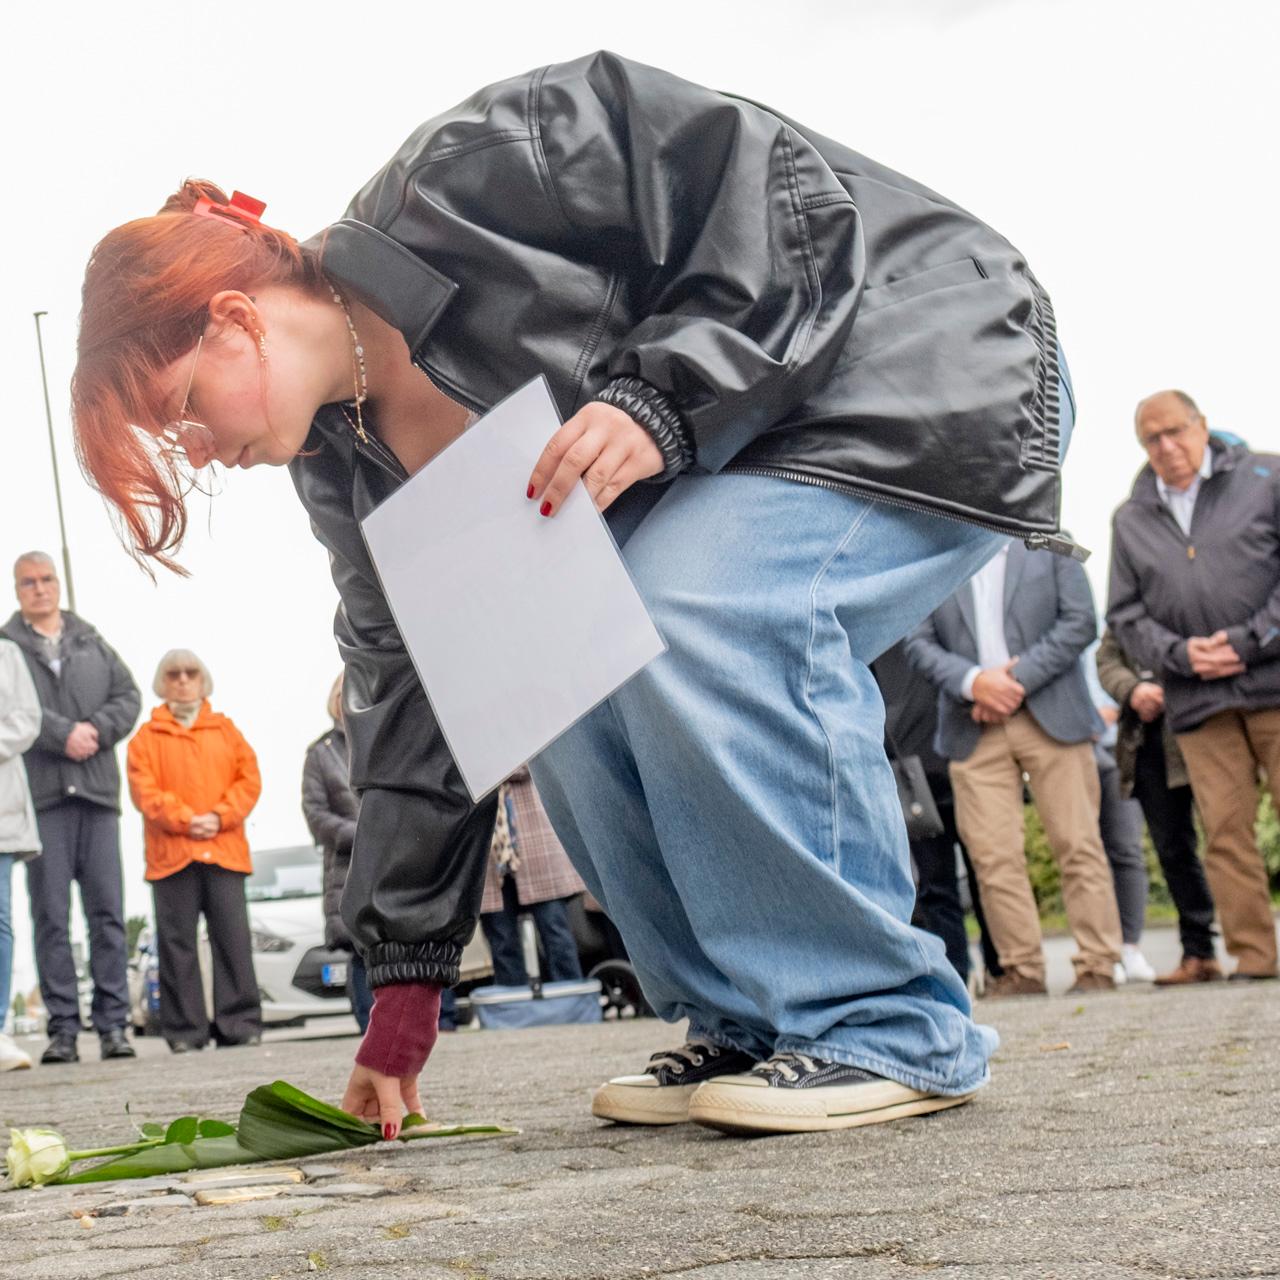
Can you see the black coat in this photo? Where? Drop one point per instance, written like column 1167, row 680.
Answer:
column 787, row 305
column 330, row 807
column 1167, row 586
column 94, row 685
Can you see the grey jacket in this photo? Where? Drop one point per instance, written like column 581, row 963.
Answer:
column 330, row 808
column 1167, row 587
column 1049, row 621
column 95, row 686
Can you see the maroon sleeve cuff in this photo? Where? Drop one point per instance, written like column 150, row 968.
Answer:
column 402, row 1029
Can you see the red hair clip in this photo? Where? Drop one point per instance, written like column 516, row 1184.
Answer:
column 240, row 206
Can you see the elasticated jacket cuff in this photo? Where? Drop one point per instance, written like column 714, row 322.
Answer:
column 395, row 962
column 656, row 412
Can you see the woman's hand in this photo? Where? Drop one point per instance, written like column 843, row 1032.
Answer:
column 204, row 826
column 600, row 445
column 384, row 1100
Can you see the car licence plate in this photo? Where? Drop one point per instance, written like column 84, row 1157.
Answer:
column 334, row 975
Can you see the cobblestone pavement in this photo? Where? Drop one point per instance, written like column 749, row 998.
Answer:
column 1127, row 1135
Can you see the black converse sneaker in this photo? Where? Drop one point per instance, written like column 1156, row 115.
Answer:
column 796, row 1093
column 661, row 1095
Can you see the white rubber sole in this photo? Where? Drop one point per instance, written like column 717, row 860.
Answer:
column 731, row 1107
column 641, row 1100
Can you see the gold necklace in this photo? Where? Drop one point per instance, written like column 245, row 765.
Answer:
column 359, row 374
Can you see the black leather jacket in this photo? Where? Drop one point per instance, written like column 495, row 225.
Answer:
column 783, row 304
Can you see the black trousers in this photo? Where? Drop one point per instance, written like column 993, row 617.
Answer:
column 180, row 899
column 81, row 843
column 502, row 933
column 1168, row 811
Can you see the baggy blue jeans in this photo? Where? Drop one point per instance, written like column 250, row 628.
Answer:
column 732, row 806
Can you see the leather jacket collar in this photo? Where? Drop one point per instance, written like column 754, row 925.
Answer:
column 392, row 282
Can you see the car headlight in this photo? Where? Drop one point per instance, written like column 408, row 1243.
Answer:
column 261, row 940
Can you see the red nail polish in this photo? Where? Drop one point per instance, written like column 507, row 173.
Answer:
column 388, row 1132
column 545, row 509
column 529, row 494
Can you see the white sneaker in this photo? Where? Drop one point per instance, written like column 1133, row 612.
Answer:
column 1119, row 974
column 11, row 1057
column 795, row 1093
column 1135, row 965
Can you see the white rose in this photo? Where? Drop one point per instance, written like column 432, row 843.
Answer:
column 36, row 1156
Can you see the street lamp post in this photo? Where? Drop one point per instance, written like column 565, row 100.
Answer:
column 57, row 483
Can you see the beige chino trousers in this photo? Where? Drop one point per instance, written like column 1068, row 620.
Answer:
column 989, row 817
column 1223, row 758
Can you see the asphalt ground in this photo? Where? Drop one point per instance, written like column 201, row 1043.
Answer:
column 1126, row 1135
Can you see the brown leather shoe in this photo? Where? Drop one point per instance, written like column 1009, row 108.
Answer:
column 1088, row 983
column 1190, row 970
column 1013, row 984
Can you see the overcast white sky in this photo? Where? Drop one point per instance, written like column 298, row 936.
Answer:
column 1126, row 146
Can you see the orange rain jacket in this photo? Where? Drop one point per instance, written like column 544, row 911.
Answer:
column 176, row 773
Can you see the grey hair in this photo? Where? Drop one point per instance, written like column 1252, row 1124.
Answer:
column 1181, row 396
column 187, row 659
column 34, row 557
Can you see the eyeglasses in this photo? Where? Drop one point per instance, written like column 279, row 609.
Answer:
column 1171, row 435
column 178, row 672
column 192, row 437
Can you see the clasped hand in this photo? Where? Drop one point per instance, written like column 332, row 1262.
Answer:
column 82, row 741
column 204, row 826
column 1213, row 657
column 996, row 694
column 600, row 445
column 1147, row 701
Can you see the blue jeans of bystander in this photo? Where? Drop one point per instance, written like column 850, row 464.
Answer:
column 6, row 934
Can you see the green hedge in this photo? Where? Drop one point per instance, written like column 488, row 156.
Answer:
column 1047, row 884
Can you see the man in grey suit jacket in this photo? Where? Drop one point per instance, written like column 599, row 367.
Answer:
column 1004, row 654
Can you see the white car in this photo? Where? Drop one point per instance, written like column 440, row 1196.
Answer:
column 298, row 976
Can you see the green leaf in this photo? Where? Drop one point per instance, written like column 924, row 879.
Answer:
column 151, row 1129
column 280, row 1122
column 421, row 1129
column 413, row 1121
column 184, row 1129
column 304, row 1102
column 170, row 1157
column 216, row 1129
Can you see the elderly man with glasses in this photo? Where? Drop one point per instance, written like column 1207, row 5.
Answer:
column 1194, row 600
column 89, row 703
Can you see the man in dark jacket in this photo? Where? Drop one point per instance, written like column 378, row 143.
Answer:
column 1195, row 597
column 89, row 703
column 1004, row 654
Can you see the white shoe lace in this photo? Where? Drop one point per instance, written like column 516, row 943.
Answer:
column 691, row 1053
column 785, row 1064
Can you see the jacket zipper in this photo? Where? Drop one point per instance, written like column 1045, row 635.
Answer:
column 374, row 449
column 449, row 391
column 1054, row 542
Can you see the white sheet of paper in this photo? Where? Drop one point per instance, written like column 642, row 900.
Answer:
column 518, row 625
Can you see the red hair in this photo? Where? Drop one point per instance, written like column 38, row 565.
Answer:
column 145, row 303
